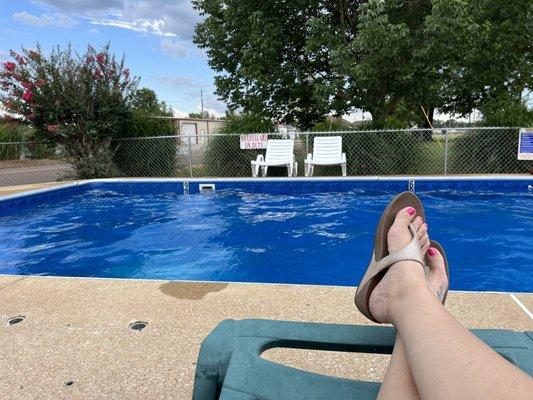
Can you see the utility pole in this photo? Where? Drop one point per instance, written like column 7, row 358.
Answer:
column 202, row 102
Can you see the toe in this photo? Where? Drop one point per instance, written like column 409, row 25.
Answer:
column 437, row 279
column 418, row 222
column 399, row 234
column 424, row 240
column 422, row 230
column 405, row 216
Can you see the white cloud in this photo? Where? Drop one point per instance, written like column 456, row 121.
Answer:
column 157, row 17
column 46, row 19
column 84, row 5
column 213, row 111
column 173, row 48
column 178, row 113
column 153, row 27
column 92, row 31
column 181, row 81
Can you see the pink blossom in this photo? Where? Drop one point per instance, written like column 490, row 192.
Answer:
column 31, row 117
column 27, row 95
column 20, row 60
column 89, row 59
column 27, row 85
column 10, row 66
column 127, row 73
column 100, row 57
column 40, row 83
column 52, row 128
column 98, row 73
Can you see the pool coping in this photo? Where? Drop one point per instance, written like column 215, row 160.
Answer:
column 228, row 282
column 370, row 178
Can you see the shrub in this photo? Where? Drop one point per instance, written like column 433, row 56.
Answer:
column 139, row 156
column 76, row 101
column 224, row 156
column 493, row 151
column 9, row 133
column 487, row 151
column 382, row 153
column 372, row 153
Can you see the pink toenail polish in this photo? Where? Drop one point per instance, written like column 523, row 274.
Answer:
column 432, row 252
column 411, row 211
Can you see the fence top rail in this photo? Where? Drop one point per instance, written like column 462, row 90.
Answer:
column 303, row 133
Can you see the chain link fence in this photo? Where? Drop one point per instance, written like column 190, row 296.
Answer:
column 449, row 151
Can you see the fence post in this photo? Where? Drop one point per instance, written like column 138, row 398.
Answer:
column 306, row 144
column 190, row 156
column 445, row 151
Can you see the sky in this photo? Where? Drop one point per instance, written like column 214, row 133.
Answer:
column 154, row 35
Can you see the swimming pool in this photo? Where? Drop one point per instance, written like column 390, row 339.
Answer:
column 308, row 231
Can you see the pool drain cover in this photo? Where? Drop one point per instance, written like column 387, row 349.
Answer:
column 69, row 383
column 138, row 325
column 16, row 320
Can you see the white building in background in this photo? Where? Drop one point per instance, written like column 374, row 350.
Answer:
column 197, row 129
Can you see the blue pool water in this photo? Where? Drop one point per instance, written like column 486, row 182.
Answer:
column 299, row 232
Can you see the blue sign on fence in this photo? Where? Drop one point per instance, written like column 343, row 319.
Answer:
column 525, row 144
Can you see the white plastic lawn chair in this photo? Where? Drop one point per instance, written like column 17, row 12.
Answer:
column 279, row 153
column 327, row 150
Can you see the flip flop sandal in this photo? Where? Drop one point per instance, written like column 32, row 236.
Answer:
column 381, row 259
column 438, row 246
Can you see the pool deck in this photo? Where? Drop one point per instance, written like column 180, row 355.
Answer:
column 77, row 329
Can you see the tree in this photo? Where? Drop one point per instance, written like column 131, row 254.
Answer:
column 399, row 60
column 146, row 99
column 79, row 102
column 204, row 115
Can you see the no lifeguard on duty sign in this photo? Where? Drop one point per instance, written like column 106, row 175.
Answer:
column 525, row 144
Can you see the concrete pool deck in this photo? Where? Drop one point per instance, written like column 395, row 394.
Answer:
column 76, row 330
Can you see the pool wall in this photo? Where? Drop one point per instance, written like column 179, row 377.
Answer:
column 387, row 185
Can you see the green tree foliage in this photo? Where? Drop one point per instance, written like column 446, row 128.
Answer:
column 136, row 154
column 399, row 60
column 146, row 100
column 79, row 102
column 204, row 115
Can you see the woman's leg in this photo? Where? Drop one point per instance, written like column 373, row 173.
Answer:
column 446, row 360
column 398, row 382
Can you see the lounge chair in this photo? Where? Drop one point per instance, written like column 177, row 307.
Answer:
column 279, row 153
column 327, row 150
column 230, row 366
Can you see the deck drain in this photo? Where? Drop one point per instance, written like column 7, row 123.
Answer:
column 138, row 325
column 16, row 320
column 69, row 383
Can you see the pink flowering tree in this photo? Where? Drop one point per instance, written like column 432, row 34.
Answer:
column 78, row 101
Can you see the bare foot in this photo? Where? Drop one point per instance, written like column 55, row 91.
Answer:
column 401, row 276
column 437, row 277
